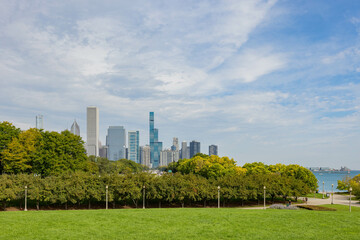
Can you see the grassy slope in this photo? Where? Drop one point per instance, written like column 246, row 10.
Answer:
column 181, row 224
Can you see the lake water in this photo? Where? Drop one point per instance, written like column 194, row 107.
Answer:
column 332, row 178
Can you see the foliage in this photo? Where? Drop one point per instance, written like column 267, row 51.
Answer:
column 348, row 182
column 7, row 133
column 209, row 166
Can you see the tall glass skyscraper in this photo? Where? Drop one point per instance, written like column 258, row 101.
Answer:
column 194, row 148
column 155, row 145
column 134, row 150
column 213, row 150
column 40, row 122
column 116, row 143
column 75, row 129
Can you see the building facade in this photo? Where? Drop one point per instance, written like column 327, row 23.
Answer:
column 134, row 148
column 194, row 148
column 155, row 145
column 168, row 156
column 39, row 122
column 116, row 143
column 145, row 156
column 75, row 129
column 185, row 153
column 175, row 146
column 213, row 150
column 92, row 131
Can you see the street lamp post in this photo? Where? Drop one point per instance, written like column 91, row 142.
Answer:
column 144, row 197
column 323, row 190
column 264, row 197
column 25, row 198
column 218, row 196
column 107, row 196
column 350, row 189
column 332, row 193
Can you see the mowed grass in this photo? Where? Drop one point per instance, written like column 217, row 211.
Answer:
column 177, row 223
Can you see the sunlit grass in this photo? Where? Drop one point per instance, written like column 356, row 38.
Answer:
column 177, row 223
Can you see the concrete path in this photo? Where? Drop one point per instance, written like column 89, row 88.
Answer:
column 338, row 199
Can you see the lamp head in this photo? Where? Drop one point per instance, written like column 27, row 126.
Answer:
column 264, row 187
column 218, row 187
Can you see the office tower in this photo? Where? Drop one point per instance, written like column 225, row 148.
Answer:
column 39, row 122
column 134, row 151
column 75, row 129
column 103, row 151
column 184, row 151
column 155, row 145
column 116, row 143
column 213, row 150
column 168, row 156
column 194, row 148
column 145, row 155
column 175, row 146
column 92, row 130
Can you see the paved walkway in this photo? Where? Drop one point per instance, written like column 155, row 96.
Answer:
column 338, row 199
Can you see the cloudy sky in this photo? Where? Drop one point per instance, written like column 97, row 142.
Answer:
column 265, row 80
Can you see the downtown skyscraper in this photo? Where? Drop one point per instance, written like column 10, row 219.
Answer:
column 92, row 131
column 194, row 148
column 40, row 122
column 75, row 129
column 116, row 143
column 134, row 148
column 155, row 145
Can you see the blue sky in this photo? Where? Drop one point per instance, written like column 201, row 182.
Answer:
column 271, row 81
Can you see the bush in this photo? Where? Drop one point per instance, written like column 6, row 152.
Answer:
column 280, row 206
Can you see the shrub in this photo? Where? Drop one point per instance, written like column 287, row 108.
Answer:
column 280, row 206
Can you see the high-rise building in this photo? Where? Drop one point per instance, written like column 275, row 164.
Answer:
column 92, row 131
column 194, row 148
column 116, row 143
column 103, row 151
column 134, row 150
column 175, row 146
column 75, row 129
column 168, row 156
column 145, row 155
column 155, row 145
column 184, row 150
column 213, row 150
column 40, row 122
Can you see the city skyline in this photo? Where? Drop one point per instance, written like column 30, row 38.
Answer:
column 265, row 80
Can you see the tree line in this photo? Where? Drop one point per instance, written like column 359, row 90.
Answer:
column 173, row 189
column 57, row 171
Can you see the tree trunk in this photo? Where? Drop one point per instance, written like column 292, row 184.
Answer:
column 258, row 200
column 89, row 204
column 296, row 199
column 242, row 202
column 272, row 199
column 66, row 208
column 38, row 204
column 4, row 205
column 182, row 205
column 113, row 204
column 204, row 203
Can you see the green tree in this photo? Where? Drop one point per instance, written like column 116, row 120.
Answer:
column 8, row 189
column 22, row 152
column 7, row 133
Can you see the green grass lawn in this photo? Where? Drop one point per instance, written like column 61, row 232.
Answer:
column 317, row 195
column 177, row 223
